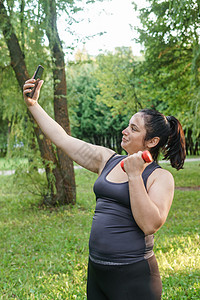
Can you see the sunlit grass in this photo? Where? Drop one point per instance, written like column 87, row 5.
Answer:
column 177, row 248
column 187, row 177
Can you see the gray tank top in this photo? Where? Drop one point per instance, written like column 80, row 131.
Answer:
column 115, row 237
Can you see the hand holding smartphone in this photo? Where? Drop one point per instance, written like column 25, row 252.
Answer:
column 37, row 76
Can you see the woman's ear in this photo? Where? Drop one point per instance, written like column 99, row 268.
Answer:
column 153, row 142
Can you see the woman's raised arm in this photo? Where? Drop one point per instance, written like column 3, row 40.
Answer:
column 89, row 156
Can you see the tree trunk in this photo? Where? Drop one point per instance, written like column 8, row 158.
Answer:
column 61, row 196
column 60, row 101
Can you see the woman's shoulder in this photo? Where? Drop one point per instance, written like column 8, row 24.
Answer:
column 161, row 176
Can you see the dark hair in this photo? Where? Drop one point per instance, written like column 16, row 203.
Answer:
column 170, row 132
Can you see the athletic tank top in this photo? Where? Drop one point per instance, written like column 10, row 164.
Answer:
column 115, row 237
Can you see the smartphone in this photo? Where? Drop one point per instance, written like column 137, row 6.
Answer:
column 38, row 75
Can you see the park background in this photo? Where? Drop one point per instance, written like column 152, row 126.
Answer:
column 47, row 202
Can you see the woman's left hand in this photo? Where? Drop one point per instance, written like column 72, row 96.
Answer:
column 134, row 164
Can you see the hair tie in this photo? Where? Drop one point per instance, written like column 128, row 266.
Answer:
column 168, row 119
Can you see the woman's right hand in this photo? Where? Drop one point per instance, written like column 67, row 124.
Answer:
column 30, row 83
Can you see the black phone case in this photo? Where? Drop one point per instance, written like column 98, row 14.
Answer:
column 38, row 75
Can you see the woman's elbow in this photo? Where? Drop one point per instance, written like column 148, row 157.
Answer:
column 153, row 228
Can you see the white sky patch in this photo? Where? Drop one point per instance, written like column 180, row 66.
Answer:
column 115, row 18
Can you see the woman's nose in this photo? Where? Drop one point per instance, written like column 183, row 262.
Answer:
column 125, row 131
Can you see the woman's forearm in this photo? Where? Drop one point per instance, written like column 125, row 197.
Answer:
column 145, row 212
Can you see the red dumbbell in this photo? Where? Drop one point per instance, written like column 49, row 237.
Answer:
column 146, row 155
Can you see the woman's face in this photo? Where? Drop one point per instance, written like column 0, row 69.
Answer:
column 133, row 139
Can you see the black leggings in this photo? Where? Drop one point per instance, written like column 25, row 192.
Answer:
column 138, row 281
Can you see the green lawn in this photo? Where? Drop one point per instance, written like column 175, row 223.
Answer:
column 44, row 253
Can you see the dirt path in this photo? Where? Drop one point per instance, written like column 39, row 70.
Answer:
column 188, row 188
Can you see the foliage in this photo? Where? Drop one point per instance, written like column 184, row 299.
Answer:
column 30, row 238
column 170, row 35
column 92, row 120
column 36, row 52
column 118, row 81
column 30, row 24
column 12, row 163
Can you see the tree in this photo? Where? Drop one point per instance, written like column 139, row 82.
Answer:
column 4, row 128
column 92, row 120
column 63, row 190
column 118, row 81
column 170, row 35
column 60, row 101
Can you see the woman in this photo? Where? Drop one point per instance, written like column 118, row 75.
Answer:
column 131, row 206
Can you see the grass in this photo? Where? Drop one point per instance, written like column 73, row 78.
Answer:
column 187, row 177
column 44, row 253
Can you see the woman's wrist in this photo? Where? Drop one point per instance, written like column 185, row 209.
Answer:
column 32, row 105
column 134, row 177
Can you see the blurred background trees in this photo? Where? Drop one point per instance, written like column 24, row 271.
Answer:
column 171, row 37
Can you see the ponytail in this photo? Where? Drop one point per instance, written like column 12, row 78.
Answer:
column 170, row 133
column 175, row 147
